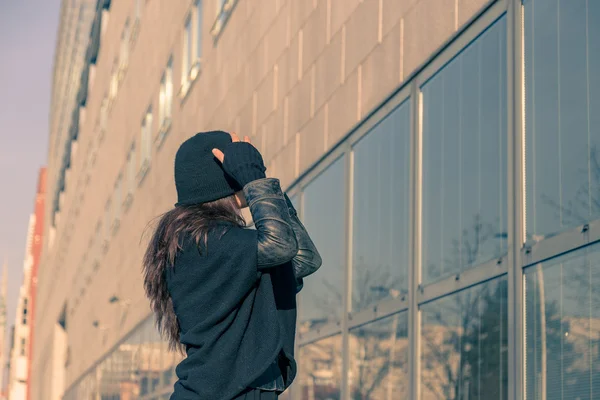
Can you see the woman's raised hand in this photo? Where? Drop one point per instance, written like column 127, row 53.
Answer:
column 241, row 161
column 234, row 138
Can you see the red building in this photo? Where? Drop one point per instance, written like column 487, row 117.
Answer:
column 36, row 251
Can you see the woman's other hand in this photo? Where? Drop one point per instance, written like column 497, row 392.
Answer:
column 241, row 160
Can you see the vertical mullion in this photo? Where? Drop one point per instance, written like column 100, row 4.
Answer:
column 415, row 188
column 348, row 176
column 515, row 192
column 296, row 388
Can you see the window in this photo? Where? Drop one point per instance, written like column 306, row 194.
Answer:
column 108, row 220
column 114, row 81
column 104, row 21
column 464, row 158
column 323, row 215
column 320, row 369
column 380, row 208
column 223, row 12
column 187, row 53
column 379, row 359
column 103, row 115
column 118, row 201
column 199, row 27
column 131, row 172
column 562, row 57
column 192, row 47
column 464, row 344
column 562, row 314
column 146, row 142
column 23, row 343
column 25, row 311
column 165, row 101
column 98, row 243
column 138, row 9
column 125, row 43
column 136, row 22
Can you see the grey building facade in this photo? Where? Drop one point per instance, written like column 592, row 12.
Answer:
column 443, row 154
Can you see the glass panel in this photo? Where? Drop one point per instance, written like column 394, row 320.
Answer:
column 562, row 326
column 464, row 352
column 464, row 158
column 118, row 197
column 169, row 89
column 135, row 341
column 381, row 213
column 145, row 354
column 129, row 388
column 162, row 106
column 105, row 378
column 379, row 359
column 188, row 47
column 562, row 57
column 323, row 216
column 154, row 348
column 320, row 370
column 131, row 162
column 169, row 377
column 295, row 203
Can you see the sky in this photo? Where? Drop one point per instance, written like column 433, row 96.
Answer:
column 27, row 39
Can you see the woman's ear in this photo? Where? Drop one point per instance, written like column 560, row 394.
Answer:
column 240, row 199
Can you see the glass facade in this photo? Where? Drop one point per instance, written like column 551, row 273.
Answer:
column 562, row 55
column 464, row 344
column 459, row 230
column 562, row 326
column 323, row 214
column 381, row 168
column 464, row 158
column 141, row 367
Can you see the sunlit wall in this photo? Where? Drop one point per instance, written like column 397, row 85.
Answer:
column 445, row 161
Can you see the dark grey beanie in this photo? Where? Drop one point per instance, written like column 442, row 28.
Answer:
column 199, row 177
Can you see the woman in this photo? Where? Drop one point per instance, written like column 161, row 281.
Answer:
column 222, row 292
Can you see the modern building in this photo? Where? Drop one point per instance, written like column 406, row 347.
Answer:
column 18, row 369
column 22, row 329
column 443, row 154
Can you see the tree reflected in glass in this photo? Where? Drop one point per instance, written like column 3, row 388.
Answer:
column 324, row 217
column 562, row 325
column 464, row 158
column 464, row 351
column 562, row 51
column 381, row 209
column 320, row 370
column 379, row 359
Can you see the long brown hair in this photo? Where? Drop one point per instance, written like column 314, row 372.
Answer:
column 165, row 243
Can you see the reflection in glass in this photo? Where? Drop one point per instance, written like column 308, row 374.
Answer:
column 323, row 216
column 464, row 158
column 295, row 203
column 381, row 213
column 562, row 60
column 379, row 360
column 140, row 366
column 464, row 344
column 320, row 370
column 562, row 326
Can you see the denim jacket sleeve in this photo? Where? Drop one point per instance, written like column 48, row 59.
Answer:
column 307, row 260
column 277, row 242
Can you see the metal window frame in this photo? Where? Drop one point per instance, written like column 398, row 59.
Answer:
column 561, row 244
column 511, row 266
column 422, row 294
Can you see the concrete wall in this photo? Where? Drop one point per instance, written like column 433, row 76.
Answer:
column 295, row 75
